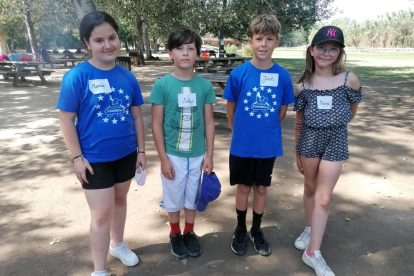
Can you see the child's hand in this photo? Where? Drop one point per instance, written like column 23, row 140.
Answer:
column 141, row 160
column 299, row 163
column 298, row 125
column 80, row 166
column 208, row 165
column 167, row 169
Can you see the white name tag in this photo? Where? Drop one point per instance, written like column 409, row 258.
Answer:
column 99, row 86
column 187, row 100
column 324, row 102
column 269, row 79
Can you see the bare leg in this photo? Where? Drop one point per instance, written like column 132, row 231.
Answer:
column 101, row 205
column 310, row 169
column 242, row 196
column 120, row 211
column 189, row 215
column 328, row 175
column 259, row 199
column 174, row 217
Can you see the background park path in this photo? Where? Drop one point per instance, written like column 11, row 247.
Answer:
column 370, row 228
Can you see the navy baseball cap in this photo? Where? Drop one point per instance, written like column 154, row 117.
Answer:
column 210, row 190
column 329, row 33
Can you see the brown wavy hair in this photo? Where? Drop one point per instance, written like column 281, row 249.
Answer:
column 337, row 67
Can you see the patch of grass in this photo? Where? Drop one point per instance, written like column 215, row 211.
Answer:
column 291, row 64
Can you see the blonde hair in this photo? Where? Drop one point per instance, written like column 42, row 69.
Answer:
column 337, row 67
column 265, row 24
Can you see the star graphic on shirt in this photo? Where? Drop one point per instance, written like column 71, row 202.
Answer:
column 100, row 97
column 262, row 88
column 121, row 91
column 274, row 103
column 114, row 121
column 245, row 101
column 127, row 97
column 259, row 116
column 273, row 96
column 122, row 118
column 255, row 89
column 128, row 104
column 99, row 114
column 246, row 108
column 251, row 114
column 272, row 110
column 269, row 90
column 266, row 114
column 98, row 106
column 127, row 112
column 113, row 89
column 249, row 94
column 105, row 120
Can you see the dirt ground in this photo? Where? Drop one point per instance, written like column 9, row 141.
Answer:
column 370, row 228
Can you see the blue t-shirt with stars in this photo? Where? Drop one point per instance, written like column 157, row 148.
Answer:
column 102, row 100
column 258, row 95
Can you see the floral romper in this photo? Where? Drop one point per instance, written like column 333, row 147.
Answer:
column 326, row 114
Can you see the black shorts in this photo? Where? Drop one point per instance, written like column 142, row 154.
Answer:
column 107, row 174
column 247, row 170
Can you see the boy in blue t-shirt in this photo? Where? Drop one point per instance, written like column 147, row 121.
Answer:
column 258, row 93
column 183, row 130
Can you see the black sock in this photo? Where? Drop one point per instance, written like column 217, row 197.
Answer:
column 257, row 220
column 241, row 219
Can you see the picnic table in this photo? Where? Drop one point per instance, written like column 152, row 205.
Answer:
column 22, row 69
column 220, row 79
column 213, row 65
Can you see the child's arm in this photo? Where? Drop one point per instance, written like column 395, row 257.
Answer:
column 209, row 126
column 70, row 135
column 353, row 82
column 231, row 107
column 298, row 128
column 282, row 111
column 140, row 129
column 157, row 112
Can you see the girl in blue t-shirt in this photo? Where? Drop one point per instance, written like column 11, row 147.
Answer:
column 327, row 99
column 101, row 122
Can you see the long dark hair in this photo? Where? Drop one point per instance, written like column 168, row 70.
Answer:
column 337, row 67
column 93, row 19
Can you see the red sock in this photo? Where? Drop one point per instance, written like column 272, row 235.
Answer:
column 310, row 254
column 189, row 227
column 175, row 228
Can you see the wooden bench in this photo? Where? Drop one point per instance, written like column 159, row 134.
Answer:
column 227, row 69
column 24, row 73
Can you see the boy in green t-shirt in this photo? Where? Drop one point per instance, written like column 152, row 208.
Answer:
column 183, row 128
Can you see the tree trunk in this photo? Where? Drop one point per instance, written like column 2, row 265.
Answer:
column 139, row 40
column 126, row 46
column 221, row 34
column 147, row 42
column 29, row 25
column 3, row 46
column 83, row 7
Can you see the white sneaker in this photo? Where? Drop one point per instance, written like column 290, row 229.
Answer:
column 100, row 273
column 317, row 263
column 302, row 242
column 126, row 256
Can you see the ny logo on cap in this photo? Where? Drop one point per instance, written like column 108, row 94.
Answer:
column 331, row 32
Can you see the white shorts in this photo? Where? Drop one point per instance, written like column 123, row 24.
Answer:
column 182, row 191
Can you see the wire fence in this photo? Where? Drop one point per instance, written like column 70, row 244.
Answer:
column 379, row 50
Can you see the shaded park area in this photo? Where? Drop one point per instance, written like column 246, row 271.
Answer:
column 369, row 230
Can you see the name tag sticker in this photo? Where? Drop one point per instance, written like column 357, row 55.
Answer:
column 99, row 86
column 269, row 79
column 187, row 100
column 324, row 102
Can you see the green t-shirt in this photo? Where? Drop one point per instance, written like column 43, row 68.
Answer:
column 183, row 102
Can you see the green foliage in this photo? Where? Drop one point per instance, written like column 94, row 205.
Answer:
column 247, row 51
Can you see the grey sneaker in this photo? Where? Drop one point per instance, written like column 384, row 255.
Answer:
column 192, row 244
column 100, row 273
column 121, row 252
column 302, row 242
column 317, row 263
column 178, row 248
column 260, row 243
column 238, row 245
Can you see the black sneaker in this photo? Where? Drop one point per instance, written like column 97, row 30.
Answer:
column 178, row 248
column 260, row 243
column 239, row 241
column 191, row 242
